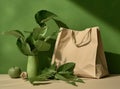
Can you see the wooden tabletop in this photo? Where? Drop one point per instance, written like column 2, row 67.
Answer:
column 111, row 82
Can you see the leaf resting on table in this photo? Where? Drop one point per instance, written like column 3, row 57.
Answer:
column 64, row 73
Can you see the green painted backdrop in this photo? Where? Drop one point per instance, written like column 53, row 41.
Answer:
column 77, row 14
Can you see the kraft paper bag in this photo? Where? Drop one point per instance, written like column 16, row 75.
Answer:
column 84, row 48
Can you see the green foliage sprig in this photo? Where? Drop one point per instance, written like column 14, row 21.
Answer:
column 64, row 73
column 36, row 40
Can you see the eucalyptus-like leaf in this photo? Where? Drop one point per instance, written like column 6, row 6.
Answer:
column 67, row 67
column 60, row 23
column 15, row 33
column 42, row 45
column 42, row 16
column 23, row 47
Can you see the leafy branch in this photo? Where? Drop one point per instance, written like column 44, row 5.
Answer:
column 37, row 39
column 64, row 73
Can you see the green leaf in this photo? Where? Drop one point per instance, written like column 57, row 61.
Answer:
column 53, row 66
column 61, row 77
column 23, row 46
column 73, row 83
column 42, row 24
column 30, row 41
column 44, row 76
column 73, row 78
column 60, row 23
column 42, row 45
column 15, row 33
column 42, row 16
column 39, row 32
column 79, row 80
column 67, row 67
column 65, row 73
column 48, row 72
column 50, row 36
column 38, row 78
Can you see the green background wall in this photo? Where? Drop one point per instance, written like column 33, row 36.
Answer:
column 77, row 14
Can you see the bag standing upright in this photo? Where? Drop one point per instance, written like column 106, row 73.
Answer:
column 84, row 48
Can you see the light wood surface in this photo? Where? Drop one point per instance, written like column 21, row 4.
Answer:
column 111, row 82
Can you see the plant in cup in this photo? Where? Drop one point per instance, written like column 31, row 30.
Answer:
column 37, row 43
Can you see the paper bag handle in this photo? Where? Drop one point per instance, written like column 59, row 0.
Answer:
column 85, row 39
